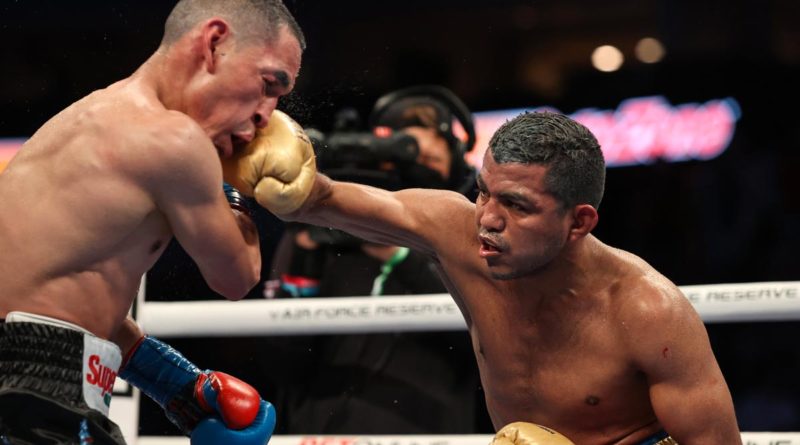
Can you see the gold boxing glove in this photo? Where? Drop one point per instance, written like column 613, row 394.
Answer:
column 524, row 433
column 277, row 167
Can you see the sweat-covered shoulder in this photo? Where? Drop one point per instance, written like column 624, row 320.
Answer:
column 174, row 155
column 445, row 219
column 651, row 309
column 667, row 342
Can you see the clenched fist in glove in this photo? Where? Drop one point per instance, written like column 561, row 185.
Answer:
column 278, row 167
column 524, row 433
column 213, row 431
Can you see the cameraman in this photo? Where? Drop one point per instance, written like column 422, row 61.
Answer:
column 399, row 383
column 427, row 113
column 424, row 115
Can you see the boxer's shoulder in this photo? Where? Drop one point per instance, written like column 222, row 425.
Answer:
column 638, row 295
column 648, row 312
column 440, row 208
column 631, row 282
column 156, row 147
column 445, row 218
column 160, row 130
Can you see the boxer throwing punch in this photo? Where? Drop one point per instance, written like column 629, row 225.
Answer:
column 93, row 198
column 568, row 332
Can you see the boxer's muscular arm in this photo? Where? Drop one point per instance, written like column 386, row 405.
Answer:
column 279, row 167
column 687, row 389
column 421, row 219
column 187, row 188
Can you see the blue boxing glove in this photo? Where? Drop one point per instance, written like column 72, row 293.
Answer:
column 187, row 394
column 212, row 430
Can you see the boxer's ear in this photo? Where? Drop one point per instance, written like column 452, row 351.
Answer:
column 214, row 33
column 584, row 220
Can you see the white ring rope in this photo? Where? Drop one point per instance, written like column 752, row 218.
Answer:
column 766, row 301
column 472, row 439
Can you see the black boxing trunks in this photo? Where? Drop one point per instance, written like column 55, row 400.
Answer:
column 659, row 438
column 55, row 383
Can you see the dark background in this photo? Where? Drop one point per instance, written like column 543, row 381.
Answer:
column 730, row 219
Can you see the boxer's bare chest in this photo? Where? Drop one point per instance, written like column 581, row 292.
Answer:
column 561, row 365
column 92, row 231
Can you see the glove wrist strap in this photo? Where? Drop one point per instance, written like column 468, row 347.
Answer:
column 167, row 377
column 236, row 199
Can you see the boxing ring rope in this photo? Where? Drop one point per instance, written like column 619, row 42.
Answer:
column 716, row 303
column 766, row 301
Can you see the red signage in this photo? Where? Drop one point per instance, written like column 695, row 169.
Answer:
column 641, row 130
column 8, row 148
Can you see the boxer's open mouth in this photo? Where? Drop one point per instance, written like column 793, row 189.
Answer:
column 488, row 247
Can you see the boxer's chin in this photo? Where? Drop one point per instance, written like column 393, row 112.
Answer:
column 503, row 275
column 224, row 150
column 237, row 145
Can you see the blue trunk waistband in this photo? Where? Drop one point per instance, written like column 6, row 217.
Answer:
column 657, row 438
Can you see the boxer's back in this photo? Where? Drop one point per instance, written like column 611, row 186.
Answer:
column 77, row 227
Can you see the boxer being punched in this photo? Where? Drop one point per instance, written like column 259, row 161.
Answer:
column 568, row 332
column 92, row 200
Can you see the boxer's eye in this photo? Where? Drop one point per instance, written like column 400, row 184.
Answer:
column 274, row 87
column 483, row 195
column 516, row 206
column 276, row 84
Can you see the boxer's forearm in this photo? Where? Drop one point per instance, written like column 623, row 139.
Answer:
column 251, row 239
column 335, row 204
column 367, row 212
column 127, row 335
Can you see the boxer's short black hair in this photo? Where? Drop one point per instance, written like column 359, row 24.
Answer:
column 261, row 19
column 576, row 169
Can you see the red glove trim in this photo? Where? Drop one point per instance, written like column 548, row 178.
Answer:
column 131, row 351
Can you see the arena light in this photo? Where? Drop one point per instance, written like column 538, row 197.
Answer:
column 607, row 58
column 8, row 148
column 649, row 50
